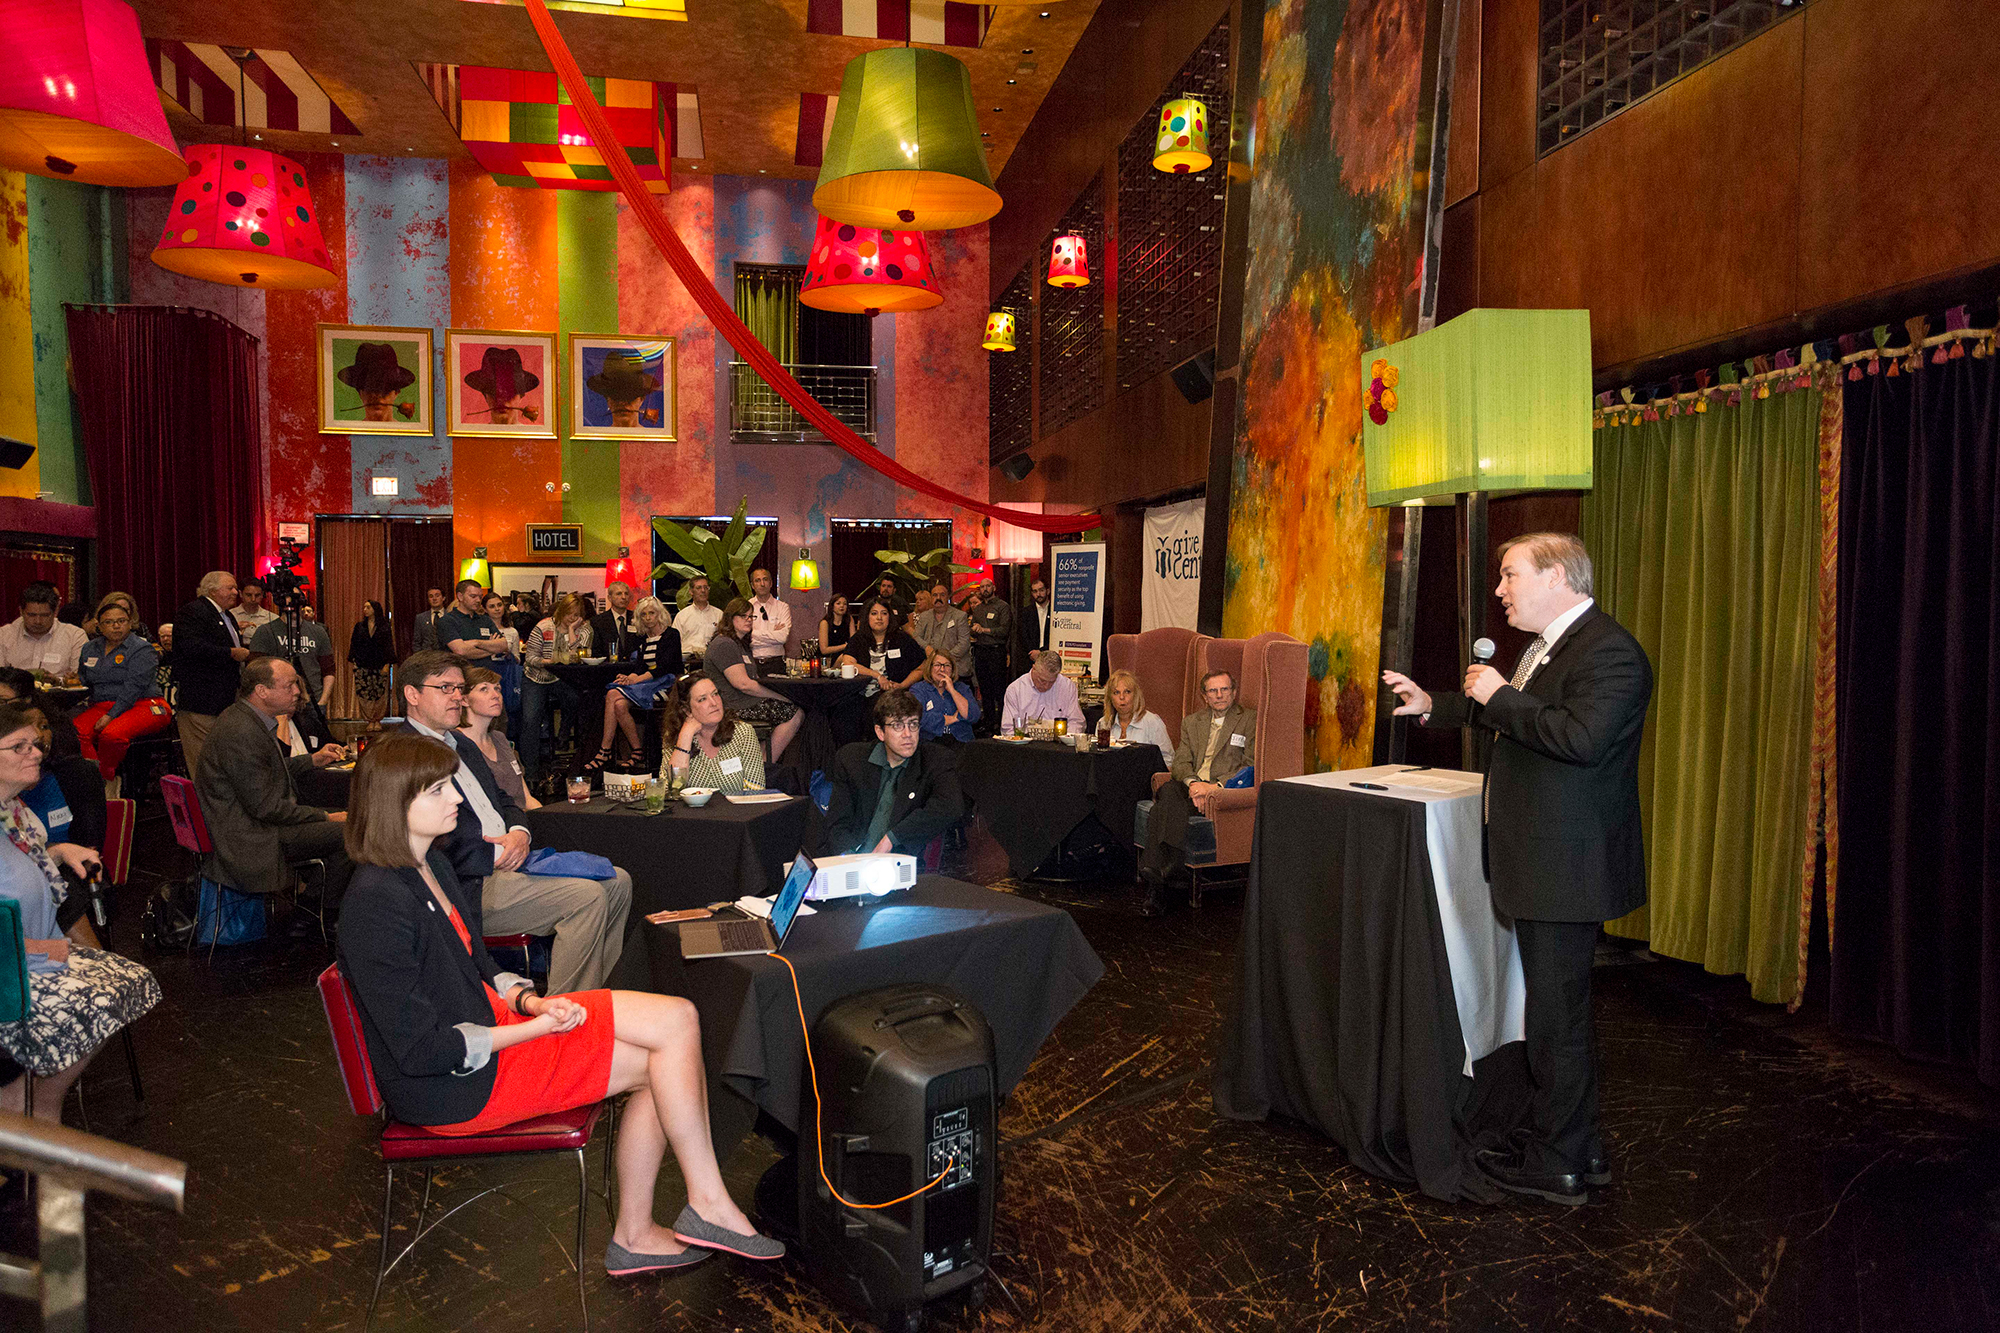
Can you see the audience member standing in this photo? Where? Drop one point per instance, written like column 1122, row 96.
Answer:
column 125, row 700
column 1037, row 622
column 427, row 619
column 943, row 628
column 208, row 655
column 696, row 621
column 562, row 637
column 36, row 640
column 371, row 650
column 310, row 646
column 770, row 623
column 466, row 629
column 992, row 643
column 252, row 612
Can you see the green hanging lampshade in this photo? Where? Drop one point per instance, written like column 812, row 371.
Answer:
column 905, row 150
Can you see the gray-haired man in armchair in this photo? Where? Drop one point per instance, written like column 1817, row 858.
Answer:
column 1216, row 743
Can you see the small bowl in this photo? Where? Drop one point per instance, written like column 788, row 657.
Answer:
column 697, row 797
column 593, row 661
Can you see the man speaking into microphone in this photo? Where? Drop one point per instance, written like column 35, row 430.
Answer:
column 1564, row 847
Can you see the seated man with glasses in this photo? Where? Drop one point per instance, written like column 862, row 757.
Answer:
column 895, row 793
column 246, row 778
column 490, row 845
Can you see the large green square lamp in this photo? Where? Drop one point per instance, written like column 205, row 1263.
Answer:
column 1492, row 402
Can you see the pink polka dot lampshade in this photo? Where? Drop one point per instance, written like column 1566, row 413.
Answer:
column 244, row 216
column 869, row 269
column 1182, row 143
column 1069, row 262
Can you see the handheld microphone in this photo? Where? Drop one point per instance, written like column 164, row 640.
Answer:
column 1482, row 650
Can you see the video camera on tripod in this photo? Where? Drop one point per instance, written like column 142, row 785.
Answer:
column 285, row 585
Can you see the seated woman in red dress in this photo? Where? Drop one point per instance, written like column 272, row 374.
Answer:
column 462, row 1047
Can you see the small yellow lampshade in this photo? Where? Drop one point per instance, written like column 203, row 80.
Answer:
column 1069, row 262
column 904, row 150
column 476, row 568
column 999, row 332
column 805, row 572
column 1495, row 400
column 1182, row 143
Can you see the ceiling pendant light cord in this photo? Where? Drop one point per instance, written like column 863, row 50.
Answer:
column 733, row 330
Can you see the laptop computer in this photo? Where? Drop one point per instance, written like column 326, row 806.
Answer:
column 733, row 936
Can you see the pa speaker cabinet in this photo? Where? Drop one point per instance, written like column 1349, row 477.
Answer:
column 906, row 1082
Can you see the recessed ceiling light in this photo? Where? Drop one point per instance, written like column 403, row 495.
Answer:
column 996, row 108
column 1027, row 50
column 1045, row 13
column 257, row 136
column 1010, row 83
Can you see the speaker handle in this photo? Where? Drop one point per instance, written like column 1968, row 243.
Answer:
column 919, row 1006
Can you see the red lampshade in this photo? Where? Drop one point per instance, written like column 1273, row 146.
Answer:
column 620, row 567
column 1069, row 262
column 77, row 100
column 244, row 217
column 869, row 270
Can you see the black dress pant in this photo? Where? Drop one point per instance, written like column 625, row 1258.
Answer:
column 1166, row 830
column 989, row 664
column 324, row 842
column 1562, row 1132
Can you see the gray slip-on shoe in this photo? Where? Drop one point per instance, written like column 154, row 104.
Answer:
column 691, row 1229
column 621, row 1262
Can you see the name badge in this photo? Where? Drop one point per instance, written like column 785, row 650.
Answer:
column 517, row 769
column 1237, row 740
column 732, row 765
column 929, row 704
column 59, row 815
column 896, row 652
column 90, row 661
column 485, row 633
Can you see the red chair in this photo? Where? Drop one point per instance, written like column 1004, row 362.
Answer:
column 191, row 832
column 413, row 1145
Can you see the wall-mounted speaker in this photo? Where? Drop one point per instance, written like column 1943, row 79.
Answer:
column 1018, row 467
column 1195, row 378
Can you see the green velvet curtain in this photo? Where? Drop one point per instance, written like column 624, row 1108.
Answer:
column 1705, row 533
column 767, row 299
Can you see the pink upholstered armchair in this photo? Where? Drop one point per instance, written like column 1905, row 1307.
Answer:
column 1271, row 677
column 1162, row 660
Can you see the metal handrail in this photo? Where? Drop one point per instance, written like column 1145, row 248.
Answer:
column 756, row 410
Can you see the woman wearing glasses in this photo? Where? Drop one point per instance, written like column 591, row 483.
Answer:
column 78, row 996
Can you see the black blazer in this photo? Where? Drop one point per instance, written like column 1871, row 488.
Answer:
column 1563, row 834
column 412, row 981
column 615, row 646
column 471, row 856
column 205, row 675
column 927, row 798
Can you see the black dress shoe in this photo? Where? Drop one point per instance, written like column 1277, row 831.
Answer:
column 1597, row 1172
column 1155, row 901
column 1567, row 1188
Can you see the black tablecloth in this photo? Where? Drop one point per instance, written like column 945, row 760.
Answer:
column 326, row 788
column 1034, row 795
column 821, row 699
column 591, row 683
column 1022, row 964
column 681, row 857
column 1344, row 1017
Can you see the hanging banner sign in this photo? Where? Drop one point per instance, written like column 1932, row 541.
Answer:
column 1076, row 598
column 1170, row 593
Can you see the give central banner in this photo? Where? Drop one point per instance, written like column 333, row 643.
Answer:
column 1170, row 593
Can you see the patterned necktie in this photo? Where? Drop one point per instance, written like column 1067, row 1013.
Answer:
column 1530, row 655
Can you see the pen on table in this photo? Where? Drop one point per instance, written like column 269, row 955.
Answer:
column 1369, row 786
column 1421, row 768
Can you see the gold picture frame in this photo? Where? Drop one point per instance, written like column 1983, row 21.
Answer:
column 501, row 382
column 374, row 380
column 648, row 363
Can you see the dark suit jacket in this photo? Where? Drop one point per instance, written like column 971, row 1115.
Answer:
column 1563, row 834
column 471, row 856
column 248, row 791
column 413, row 981
column 604, row 633
column 426, row 631
column 927, row 797
column 205, row 675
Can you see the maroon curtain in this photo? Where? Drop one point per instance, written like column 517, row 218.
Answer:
column 171, row 429
column 1916, row 940
column 419, row 555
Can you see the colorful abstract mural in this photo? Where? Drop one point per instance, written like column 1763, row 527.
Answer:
column 1336, row 256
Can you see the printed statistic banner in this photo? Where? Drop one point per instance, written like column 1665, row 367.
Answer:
column 1171, row 590
column 1076, row 624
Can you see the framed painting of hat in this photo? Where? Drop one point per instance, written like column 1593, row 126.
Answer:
column 374, row 381
column 621, row 387
column 500, row 382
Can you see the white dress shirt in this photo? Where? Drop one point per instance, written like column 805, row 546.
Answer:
column 56, row 652
column 770, row 626
column 1555, row 631
column 696, row 626
column 1025, row 703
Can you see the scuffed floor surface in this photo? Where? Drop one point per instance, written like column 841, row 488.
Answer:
column 1769, row 1178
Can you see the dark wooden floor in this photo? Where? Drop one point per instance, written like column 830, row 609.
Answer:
column 1769, row 1178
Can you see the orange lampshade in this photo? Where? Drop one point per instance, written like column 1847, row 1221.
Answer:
column 869, row 270
column 1069, row 262
column 77, row 100
column 244, row 216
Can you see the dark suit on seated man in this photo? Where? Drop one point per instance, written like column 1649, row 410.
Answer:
column 1216, row 743
column 1563, row 846
column 249, row 798
column 894, row 793
column 490, row 844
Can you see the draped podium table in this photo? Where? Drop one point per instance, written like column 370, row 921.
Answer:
column 1036, row 796
column 1379, row 997
column 821, row 699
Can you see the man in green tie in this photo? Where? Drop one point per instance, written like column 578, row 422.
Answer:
column 896, row 793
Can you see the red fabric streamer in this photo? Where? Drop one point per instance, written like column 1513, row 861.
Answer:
column 724, row 318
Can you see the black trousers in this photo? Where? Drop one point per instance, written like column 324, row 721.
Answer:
column 1166, row 830
column 989, row 664
column 1562, row 1132
column 325, row 842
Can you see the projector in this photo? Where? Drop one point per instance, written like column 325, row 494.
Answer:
column 860, row 876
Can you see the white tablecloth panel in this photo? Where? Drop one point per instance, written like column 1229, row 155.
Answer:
column 1486, row 980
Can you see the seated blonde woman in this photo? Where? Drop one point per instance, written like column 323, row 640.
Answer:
column 1125, row 708
column 656, row 661
column 712, row 747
